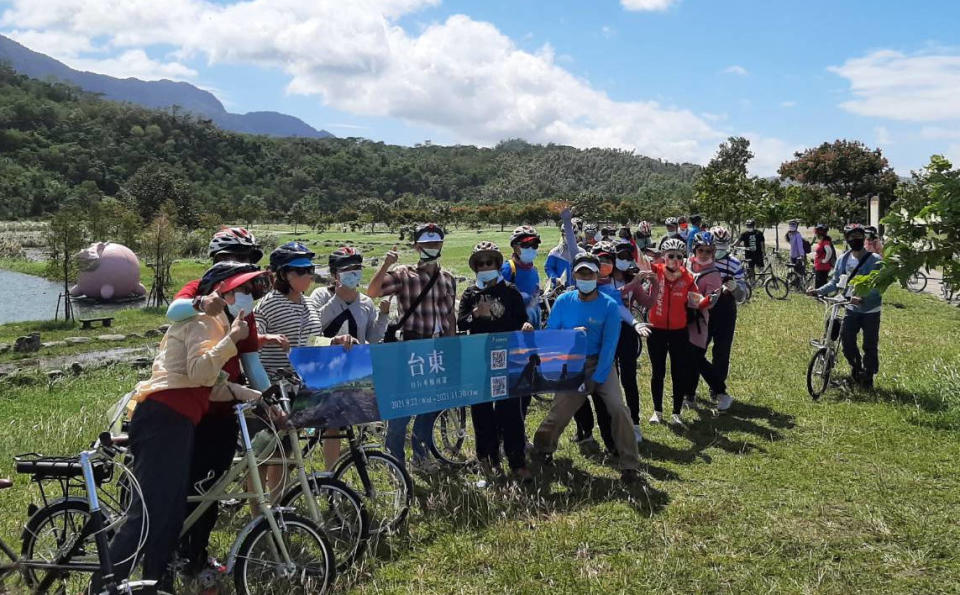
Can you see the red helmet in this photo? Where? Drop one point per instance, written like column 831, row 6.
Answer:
column 235, row 240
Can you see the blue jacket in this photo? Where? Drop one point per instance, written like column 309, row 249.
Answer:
column 602, row 321
column 558, row 267
column 871, row 300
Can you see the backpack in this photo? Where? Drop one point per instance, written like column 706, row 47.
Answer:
column 833, row 256
column 696, row 314
column 806, row 246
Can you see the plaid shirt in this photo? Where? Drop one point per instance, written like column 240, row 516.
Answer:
column 435, row 312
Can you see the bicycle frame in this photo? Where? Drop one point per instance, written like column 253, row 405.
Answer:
column 832, row 319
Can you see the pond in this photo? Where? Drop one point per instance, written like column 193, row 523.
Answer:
column 26, row 297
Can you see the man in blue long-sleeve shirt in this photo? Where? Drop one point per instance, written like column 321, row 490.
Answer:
column 598, row 315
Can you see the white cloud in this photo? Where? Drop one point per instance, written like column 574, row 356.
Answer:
column 647, row 5
column 58, row 44
column 890, row 84
column 713, row 117
column 461, row 76
column 939, row 132
column 882, row 136
column 788, row 104
column 769, row 153
column 736, row 69
column 133, row 63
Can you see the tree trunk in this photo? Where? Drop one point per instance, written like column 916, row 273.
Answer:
column 67, row 309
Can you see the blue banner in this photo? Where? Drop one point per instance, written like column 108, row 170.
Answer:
column 389, row 380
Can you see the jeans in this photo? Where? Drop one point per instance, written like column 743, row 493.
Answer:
column 628, row 350
column 723, row 324
column 422, row 436
column 500, row 421
column 853, row 323
column 566, row 404
column 675, row 343
column 584, row 420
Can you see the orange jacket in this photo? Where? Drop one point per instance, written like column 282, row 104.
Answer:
column 667, row 300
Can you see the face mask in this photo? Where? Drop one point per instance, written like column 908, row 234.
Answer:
column 242, row 301
column 606, row 269
column 585, row 286
column 428, row 254
column 486, row 277
column 527, row 255
column 703, row 260
column 351, row 279
column 856, row 244
column 624, row 265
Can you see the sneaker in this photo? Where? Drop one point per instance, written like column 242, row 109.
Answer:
column 676, row 420
column 724, row 401
column 637, row 433
column 656, row 418
column 584, row 440
column 425, row 466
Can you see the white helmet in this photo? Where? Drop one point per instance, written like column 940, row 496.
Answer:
column 675, row 244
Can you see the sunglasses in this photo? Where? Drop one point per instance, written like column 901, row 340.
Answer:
column 533, row 244
column 301, row 270
column 673, row 256
column 486, row 263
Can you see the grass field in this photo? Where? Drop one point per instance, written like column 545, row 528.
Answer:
column 856, row 493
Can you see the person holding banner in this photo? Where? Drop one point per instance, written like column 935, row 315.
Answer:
column 493, row 305
column 426, row 299
column 597, row 315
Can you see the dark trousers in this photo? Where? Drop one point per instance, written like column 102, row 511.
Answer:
column 723, row 324
column 584, row 419
column 161, row 441
column 695, row 363
column 214, row 448
column 496, row 421
column 821, row 278
column 659, row 344
column 853, row 323
column 628, row 350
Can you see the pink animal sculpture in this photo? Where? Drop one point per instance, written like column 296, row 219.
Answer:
column 108, row 271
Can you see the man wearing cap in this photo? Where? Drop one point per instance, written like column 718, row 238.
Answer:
column 598, row 316
column 435, row 316
column 343, row 310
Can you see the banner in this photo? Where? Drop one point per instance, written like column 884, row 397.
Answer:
column 390, row 380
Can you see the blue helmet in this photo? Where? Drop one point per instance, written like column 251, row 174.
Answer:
column 291, row 254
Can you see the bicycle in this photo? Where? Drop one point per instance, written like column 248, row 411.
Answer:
column 70, row 542
column 775, row 286
column 800, row 283
column 825, row 357
column 917, row 282
column 452, row 440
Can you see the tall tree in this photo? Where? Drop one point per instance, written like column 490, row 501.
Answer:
column 724, row 191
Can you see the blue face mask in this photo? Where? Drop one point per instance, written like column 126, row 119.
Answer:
column 586, row 286
column 485, row 278
column 527, row 255
column 624, row 265
column 351, row 279
column 242, row 302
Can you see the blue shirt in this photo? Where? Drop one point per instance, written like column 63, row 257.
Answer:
column 601, row 319
column 694, row 230
column 526, row 280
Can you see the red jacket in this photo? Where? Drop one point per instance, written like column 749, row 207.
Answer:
column 822, row 252
column 667, row 300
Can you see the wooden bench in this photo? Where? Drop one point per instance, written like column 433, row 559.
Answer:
column 86, row 323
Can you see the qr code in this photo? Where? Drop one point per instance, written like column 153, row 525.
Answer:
column 498, row 386
column 498, row 359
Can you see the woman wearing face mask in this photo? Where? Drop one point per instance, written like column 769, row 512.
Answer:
column 494, row 306
column 671, row 291
column 709, row 282
column 520, row 269
column 630, row 345
column 343, row 309
column 186, row 378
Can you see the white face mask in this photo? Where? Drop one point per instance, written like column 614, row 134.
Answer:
column 527, row 255
column 351, row 279
column 241, row 301
column 624, row 265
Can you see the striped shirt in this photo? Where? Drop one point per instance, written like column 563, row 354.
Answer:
column 276, row 314
column 730, row 266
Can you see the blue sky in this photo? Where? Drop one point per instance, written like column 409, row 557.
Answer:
column 667, row 78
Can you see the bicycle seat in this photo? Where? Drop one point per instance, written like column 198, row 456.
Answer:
column 5, row 483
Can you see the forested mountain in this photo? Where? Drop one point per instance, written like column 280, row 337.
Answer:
column 57, row 142
column 154, row 94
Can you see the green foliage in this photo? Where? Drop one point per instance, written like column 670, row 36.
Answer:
column 723, row 189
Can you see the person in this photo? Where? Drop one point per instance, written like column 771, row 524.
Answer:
column 709, row 282
column 670, row 292
column 587, row 310
column 342, row 309
column 683, row 231
column 863, row 313
column 643, row 241
column 695, row 221
column 493, row 305
column 625, row 235
column 672, row 232
column 874, row 243
column 520, row 269
column 723, row 318
column 186, row 377
column 752, row 241
column 824, row 255
column 434, row 316
column 557, row 266
column 630, row 346
column 798, row 252
column 591, row 235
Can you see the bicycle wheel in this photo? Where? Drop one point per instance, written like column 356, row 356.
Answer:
column 453, row 440
column 343, row 516
column 48, row 535
column 917, row 282
column 261, row 570
column 776, row 288
column 746, row 295
column 389, row 494
column 818, row 372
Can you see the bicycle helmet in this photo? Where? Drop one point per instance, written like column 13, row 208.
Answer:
column 624, row 232
column 343, row 257
column 702, row 238
column 291, row 254
column 673, row 244
column 670, row 221
column 820, row 228
column 235, row 240
column 643, row 229
column 751, row 223
column 870, row 230
column 852, row 227
column 523, row 235
column 488, row 249
column 721, row 235
column 226, row 276
column 623, row 248
column 430, row 232
column 793, row 224
column 604, row 249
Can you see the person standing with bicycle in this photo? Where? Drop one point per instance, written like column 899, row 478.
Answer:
column 824, row 255
column 426, row 298
column 863, row 313
column 753, row 245
column 492, row 305
column 799, row 248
